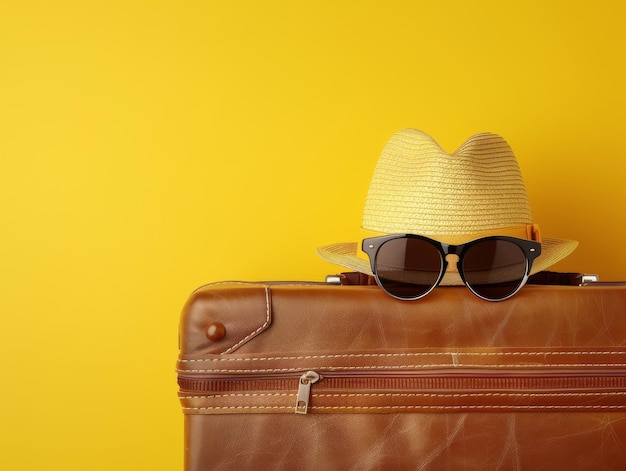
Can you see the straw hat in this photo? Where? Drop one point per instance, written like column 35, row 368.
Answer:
column 418, row 188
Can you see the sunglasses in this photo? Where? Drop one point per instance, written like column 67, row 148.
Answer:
column 408, row 266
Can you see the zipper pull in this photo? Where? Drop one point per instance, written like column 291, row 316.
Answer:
column 304, row 391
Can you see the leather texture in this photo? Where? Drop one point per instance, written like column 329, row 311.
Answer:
column 446, row 382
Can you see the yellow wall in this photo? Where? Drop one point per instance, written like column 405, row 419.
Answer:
column 148, row 147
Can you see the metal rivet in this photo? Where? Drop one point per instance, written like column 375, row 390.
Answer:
column 215, row 331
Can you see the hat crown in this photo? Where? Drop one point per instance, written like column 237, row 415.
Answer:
column 419, row 188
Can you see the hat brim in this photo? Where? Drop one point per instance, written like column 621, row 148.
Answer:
column 344, row 254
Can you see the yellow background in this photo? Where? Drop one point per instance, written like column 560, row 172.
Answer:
column 149, row 147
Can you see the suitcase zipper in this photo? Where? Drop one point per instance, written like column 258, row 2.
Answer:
column 304, row 391
column 611, row 382
column 217, row 384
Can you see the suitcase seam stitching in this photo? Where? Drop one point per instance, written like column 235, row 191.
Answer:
column 563, row 406
column 265, row 324
column 400, row 367
column 391, row 355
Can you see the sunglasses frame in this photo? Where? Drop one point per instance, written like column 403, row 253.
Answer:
column 530, row 248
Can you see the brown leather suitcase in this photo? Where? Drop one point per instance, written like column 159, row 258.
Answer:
column 321, row 377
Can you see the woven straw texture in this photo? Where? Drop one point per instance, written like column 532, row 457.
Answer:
column 418, row 188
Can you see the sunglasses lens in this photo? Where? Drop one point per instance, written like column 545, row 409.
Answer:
column 494, row 269
column 408, row 268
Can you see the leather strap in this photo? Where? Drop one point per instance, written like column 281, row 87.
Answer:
column 541, row 278
column 356, row 278
column 556, row 278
